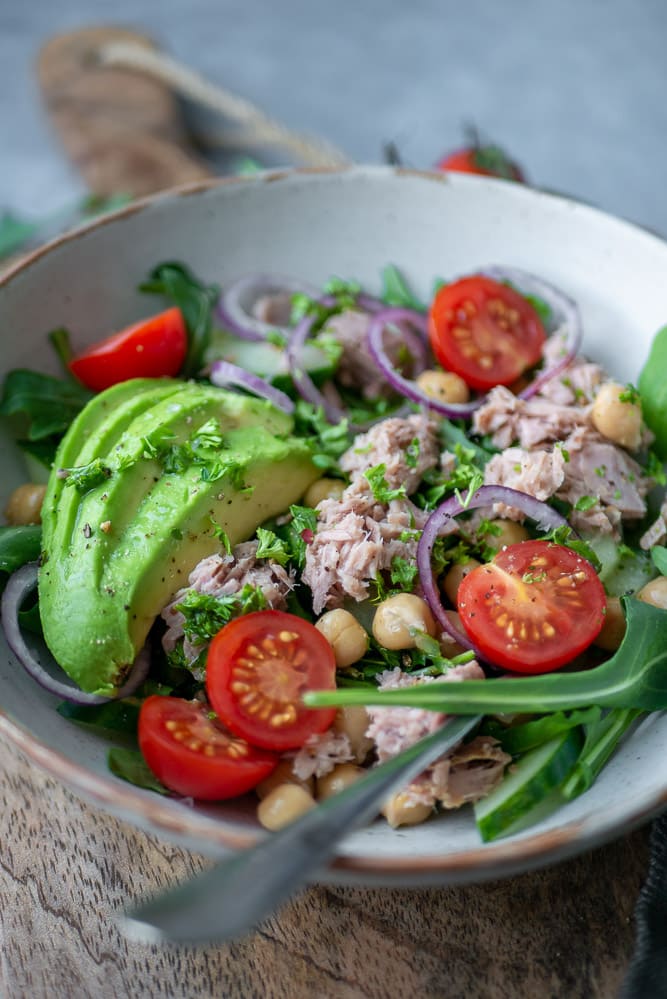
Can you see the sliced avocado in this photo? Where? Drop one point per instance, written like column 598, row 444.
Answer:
column 124, row 546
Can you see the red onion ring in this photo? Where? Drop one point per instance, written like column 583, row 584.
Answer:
column 237, row 298
column 564, row 309
column 20, row 584
column 441, row 521
column 405, row 386
column 224, row 374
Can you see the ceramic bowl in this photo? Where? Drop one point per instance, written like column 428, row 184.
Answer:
column 314, row 225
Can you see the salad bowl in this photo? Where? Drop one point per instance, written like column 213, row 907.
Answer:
column 313, row 225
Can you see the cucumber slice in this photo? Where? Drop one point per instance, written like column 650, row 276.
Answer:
column 623, row 571
column 528, row 782
column 267, row 360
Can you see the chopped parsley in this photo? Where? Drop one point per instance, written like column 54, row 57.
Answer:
column 403, row 572
column 271, row 546
column 300, row 532
column 380, row 488
column 585, row 503
column 205, row 614
column 629, row 394
column 86, row 477
column 412, row 453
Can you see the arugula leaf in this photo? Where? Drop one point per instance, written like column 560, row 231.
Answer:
column 634, row 677
column 129, row 765
column 45, row 405
column 395, row 290
column 195, row 300
column 520, row 738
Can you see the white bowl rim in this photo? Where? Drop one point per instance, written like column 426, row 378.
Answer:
column 197, row 831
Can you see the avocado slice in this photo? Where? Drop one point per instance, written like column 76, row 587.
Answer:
column 180, row 460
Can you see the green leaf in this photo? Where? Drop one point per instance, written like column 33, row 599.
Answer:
column 205, row 614
column 271, row 546
column 602, row 738
column 45, row 405
column 19, row 545
column 634, row 677
column 379, row 485
column 14, row 233
column 195, row 300
column 299, row 530
column 114, row 716
column 659, row 556
column 520, row 738
column 129, row 765
column 396, row 292
column 653, row 390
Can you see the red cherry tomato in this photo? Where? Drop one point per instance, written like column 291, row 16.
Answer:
column 484, row 331
column 534, row 607
column 258, row 668
column 152, row 348
column 194, row 755
column 488, row 161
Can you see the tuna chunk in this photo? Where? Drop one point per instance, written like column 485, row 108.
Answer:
column 528, row 422
column 356, row 539
column 320, row 754
column 356, row 368
column 223, row 575
column 274, row 308
column 577, row 383
column 657, row 532
column 538, row 473
column 407, row 447
column 467, row 773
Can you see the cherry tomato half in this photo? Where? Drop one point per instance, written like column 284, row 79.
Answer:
column 194, row 755
column 258, row 668
column 152, row 348
column 534, row 607
column 484, row 331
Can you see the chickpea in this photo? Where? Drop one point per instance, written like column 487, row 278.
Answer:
column 283, row 805
column 444, row 386
column 454, row 575
column 511, row 533
column 345, row 635
column 283, row 774
column 353, row 721
column 24, row 506
column 613, row 628
column 397, row 617
column 655, row 593
column 342, row 776
column 323, row 489
column 616, row 420
column 400, row 811
column 450, row 647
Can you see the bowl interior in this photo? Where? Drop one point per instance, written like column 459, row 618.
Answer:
column 312, row 226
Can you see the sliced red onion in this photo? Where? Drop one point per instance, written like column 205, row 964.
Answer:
column 564, row 309
column 224, row 374
column 238, row 298
column 304, row 384
column 405, row 386
column 441, row 522
column 20, row 584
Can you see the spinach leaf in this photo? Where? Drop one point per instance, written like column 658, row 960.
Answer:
column 520, row 738
column 129, row 765
column 114, row 716
column 45, row 405
column 653, row 390
column 19, row 545
column 195, row 300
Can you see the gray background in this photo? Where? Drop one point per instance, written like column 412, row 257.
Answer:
column 575, row 89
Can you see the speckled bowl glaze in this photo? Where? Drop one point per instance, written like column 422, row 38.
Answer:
column 313, row 225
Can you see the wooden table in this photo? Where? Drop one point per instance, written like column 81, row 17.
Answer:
column 67, row 869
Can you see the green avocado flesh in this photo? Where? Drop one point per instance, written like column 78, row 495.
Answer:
column 178, row 461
